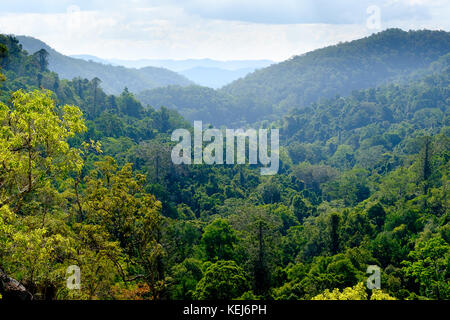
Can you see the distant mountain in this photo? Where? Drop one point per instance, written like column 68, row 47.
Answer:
column 270, row 93
column 214, row 77
column 205, row 72
column 114, row 78
column 182, row 65
column 89, row 57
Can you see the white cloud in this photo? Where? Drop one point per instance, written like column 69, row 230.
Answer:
column 196, row 29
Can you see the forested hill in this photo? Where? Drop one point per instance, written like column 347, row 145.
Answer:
column 363, row 180
column 30, row 72
column 365, row 128
column 339, row 69
column 114, row 78
column 196, row 103
column 269, row 93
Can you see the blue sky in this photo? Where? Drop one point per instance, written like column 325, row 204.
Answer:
column 219, row 29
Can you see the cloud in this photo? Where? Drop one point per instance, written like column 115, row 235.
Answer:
column 308, row 11
column 255, row 11
column 216, row 29
column 163, row 32
column 279, row 12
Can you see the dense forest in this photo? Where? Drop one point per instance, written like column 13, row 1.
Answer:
column 86, row 179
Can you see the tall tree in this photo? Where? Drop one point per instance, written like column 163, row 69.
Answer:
column 115, row 199
column 219, row 240
column 41, row 57
column 261, row 237
column 426, row 163
column 33, row 145
column 95, row 84
column 334, row 226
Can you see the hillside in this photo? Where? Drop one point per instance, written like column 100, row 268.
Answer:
column 205, row 72
column 194, row 103
column 269, row 93
column 339, row 69
column 365, row 128
column 185, row 64
column 114, row 78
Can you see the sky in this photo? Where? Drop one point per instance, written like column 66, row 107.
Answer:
column 216, row 29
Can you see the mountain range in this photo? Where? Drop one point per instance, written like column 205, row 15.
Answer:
column 180, row 65
column 269, row 93
column 114, row 78
column 88, row 178
column 204, row 72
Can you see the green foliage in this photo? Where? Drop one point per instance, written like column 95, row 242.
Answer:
column 377, row 215
column 185, row 276
column 429, row 265
column 41, row 198
column 219, row 240
column 222, row 280
column 34, row 148
column 193, row 102
column 358, row 292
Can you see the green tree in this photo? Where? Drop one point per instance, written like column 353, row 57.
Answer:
column 357, row 292
column 300, row 208
column 95, row 84
column 185, row 277
column 33, row 145
column 334, row 226
column 429, row 266
column 129, row 105
column 42, row 59
column 260, row 232
column 114, row 199
column 222, row 280
column 377, row 215
column 219, row 240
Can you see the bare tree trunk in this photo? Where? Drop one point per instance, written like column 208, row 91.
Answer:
column 11, row 289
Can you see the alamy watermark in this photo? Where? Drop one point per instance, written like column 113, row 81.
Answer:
column 74, row 279
column 374, row 19
column 374, row 280
column 236, row 142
